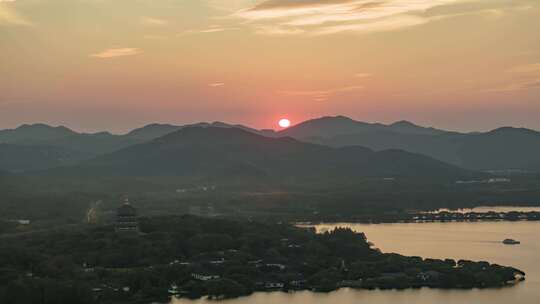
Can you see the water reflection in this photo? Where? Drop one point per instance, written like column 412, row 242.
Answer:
column 462, row 240
column 484, row 209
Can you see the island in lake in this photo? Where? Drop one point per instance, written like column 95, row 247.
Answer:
column 151, row 259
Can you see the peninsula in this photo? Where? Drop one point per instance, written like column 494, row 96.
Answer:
column 187, row 256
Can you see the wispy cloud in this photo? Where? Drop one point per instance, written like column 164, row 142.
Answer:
column 151, row 21
column 323, row 17
column 524, row 77
column 518, row 85
column 213, row 30
column 383, row 25
column 228, row 5
column 530, row 68
column 208, row 30
column 9, row 16
column 117, row 52
column 216, row 84
column 362, row 75
column 278, row 30
column 321, row 95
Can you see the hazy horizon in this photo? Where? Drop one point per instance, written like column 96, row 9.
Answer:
column 275, row 127
column 114, row 65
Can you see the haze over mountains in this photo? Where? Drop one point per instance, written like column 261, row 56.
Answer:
column 265, row 152
column 326, row 127
column 228, row 153
column 500, row 149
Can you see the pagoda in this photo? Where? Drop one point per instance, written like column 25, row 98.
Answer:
column 126, row 218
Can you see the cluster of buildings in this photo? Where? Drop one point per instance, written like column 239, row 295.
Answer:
column 495, row 180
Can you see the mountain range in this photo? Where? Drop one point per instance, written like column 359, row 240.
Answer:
column 328, row 127
column 39, row 146
column 228, row 153
column 504, row 148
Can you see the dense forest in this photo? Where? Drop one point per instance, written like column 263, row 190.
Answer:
column 67, row 200
column 189, row 256
column 225, row 170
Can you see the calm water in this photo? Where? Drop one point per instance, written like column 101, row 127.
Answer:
column 474, row 241
column 494, row 209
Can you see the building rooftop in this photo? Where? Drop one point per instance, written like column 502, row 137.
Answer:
column 126, row 210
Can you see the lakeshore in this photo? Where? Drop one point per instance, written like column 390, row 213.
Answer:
column 457, row 240
column 193, row 257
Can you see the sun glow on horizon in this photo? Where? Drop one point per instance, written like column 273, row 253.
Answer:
column 284, row 123
column 256, row 62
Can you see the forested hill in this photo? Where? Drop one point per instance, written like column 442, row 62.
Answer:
column 194, row 257
column 232, row 152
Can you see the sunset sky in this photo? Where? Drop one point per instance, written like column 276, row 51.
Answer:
column 118, row 64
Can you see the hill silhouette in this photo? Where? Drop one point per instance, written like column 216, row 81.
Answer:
column 501, row 149
column 232, row 152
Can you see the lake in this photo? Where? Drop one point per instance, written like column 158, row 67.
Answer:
column 464, row 240
column 483, row 209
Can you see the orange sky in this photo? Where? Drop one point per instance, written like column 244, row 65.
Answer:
column 115, row 65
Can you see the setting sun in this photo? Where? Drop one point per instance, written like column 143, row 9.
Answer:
column 284, row 123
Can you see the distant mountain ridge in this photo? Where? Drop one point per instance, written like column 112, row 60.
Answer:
column 500, row 149
column 405, row 126
column 34, row 132
column 214, row 152
column 330, row 126
column 152, row 131
column 50, row 142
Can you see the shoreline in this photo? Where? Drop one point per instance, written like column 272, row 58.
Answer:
column 423, row 217
column 193, row 257
column 292, row 291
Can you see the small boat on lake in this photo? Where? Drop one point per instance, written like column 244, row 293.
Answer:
column 173, row 290
column 511, row 242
